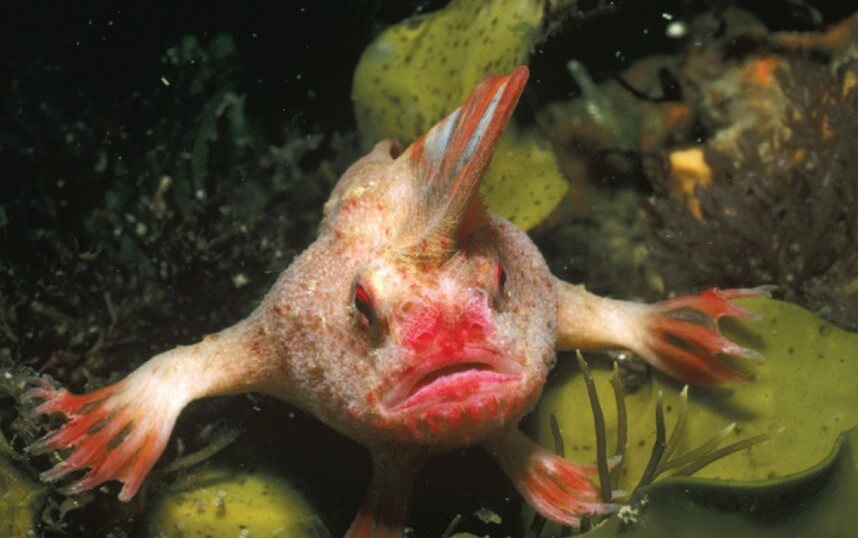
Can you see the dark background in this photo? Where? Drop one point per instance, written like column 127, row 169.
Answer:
column 296, row 64
column 300, row 55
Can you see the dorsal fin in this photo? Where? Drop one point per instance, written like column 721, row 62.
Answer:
column 451, row 158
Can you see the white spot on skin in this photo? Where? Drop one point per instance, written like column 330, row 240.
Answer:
column 359, row 190
column 383, row 280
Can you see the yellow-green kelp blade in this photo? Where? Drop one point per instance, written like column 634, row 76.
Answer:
column 419, row 70
column 804, row 396
column 522, row 183
column 223, row 501
column 21, row 500
column 819, row 501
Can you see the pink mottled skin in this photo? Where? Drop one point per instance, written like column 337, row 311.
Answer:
column 417, row 322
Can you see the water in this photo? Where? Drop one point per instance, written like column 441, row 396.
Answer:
column 162, row 165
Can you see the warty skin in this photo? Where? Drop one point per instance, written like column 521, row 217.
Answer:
column 417, row 322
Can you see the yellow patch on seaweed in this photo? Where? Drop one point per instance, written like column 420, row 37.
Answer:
column 20, row 499
column 688, row 170
column 215, row 502
column 419, row 70
column 804, row 396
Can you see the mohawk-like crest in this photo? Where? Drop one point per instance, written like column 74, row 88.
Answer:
column 450, row 160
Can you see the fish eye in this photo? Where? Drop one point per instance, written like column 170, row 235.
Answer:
column 363, row 305
column 500, row 277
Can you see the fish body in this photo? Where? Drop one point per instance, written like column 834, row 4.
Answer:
column 417, row 322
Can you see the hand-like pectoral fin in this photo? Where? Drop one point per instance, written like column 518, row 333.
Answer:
column 683, row 340
column 118, row 432
column 679, row 336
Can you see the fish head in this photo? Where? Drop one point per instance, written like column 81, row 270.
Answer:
column 453, row 308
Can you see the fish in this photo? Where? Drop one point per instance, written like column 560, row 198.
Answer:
column 417, row 322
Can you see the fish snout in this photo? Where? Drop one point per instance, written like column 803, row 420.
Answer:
column 446, row 328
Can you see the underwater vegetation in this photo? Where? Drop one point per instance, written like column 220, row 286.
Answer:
column 773, row 198
column 22, row 497
column 805, row 357
column 738, row 146
column 778, row 414
column 171, row 245
column 185, row 230
column 223, row 502
column 110, row 250
column 816, row 502
column 417, row 70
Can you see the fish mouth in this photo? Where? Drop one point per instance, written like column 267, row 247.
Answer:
column 452, row 380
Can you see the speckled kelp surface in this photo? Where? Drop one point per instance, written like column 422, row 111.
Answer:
column 162, row 163
column 807, row 360
column 417, row 71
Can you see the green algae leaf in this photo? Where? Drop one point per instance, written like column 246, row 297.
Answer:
column 20, row 500
column 523, row 183
column 804, row 396
column 819, row 502
column 224, row 502
column 419, row 70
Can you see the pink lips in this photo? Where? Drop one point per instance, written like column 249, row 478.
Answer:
column 451, row 379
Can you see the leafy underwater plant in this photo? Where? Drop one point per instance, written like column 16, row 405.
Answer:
column 794, row 415
column 780, row 205
column 298, row 147
column 417, row 70
column 128, row 229
column 131, row 248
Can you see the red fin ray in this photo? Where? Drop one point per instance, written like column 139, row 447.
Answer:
column 559, row 489
column 117, row 433
column 385, row 508
column 688, row 350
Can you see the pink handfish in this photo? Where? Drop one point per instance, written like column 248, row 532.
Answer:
column 416, row 323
